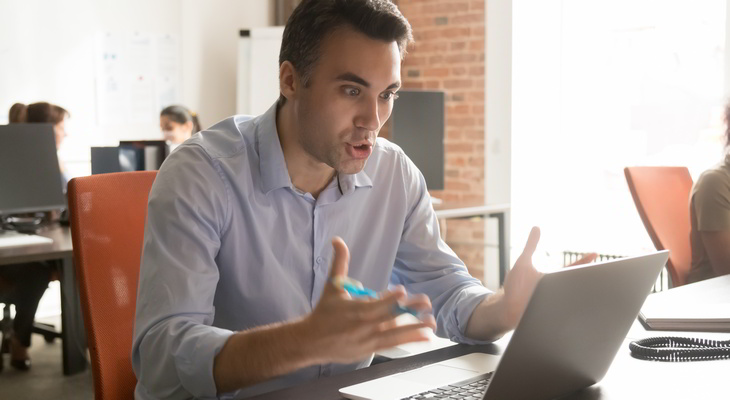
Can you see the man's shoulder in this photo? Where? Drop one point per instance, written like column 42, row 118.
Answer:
column 227, row 138
column 389, row 161
column 384, row 148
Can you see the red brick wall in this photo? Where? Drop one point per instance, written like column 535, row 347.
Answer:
column 448, row 55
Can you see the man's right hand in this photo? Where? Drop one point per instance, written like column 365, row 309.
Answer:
column 342, row 329
column 339, row 330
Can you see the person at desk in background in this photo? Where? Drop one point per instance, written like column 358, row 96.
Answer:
column 24, row 284
column 710, row 218
column 235, row 297
column 178, row 124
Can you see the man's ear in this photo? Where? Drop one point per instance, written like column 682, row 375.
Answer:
column 288, row 80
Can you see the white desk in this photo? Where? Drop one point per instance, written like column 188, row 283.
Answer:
column 627, row 378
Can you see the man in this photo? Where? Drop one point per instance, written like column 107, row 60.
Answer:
column 235, row 296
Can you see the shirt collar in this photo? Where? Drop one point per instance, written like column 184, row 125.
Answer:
column 272, row 165
column 274, row 174
column 350, row 182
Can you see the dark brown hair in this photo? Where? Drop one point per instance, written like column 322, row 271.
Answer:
column 17, row 113
column 41, row 112
column 181, row 115
column 313, row 20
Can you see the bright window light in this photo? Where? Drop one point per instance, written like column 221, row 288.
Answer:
column 600, row 85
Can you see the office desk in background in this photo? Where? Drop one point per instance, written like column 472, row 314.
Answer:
column 627, row 378
column 73, row 336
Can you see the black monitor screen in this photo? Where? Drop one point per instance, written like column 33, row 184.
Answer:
column 30, row 178
column 142, row 155
column 418, row 128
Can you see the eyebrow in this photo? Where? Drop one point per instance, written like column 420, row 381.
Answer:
column 350, row 77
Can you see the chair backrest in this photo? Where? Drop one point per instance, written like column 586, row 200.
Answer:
column 661, row 195
column 108, row 213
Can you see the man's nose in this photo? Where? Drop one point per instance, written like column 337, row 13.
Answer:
column 368, row 117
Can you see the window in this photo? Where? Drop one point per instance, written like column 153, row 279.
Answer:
column 599, row 85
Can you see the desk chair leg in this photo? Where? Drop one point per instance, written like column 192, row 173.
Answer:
column 72, row 323
column 5, row 327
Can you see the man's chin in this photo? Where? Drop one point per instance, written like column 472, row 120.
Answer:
column 352, row 167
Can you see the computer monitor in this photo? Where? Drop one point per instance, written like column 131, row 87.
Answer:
column 138, row 155
column 418, row 128
column 148, row 154
column 30, row 177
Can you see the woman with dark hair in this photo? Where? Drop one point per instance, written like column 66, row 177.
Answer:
column 178, row 124
column 710, row 218
column 17, row 113
column 24, row 284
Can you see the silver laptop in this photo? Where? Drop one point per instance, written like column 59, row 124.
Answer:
column 567, row 338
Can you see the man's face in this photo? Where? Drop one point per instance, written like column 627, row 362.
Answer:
column 349, row 97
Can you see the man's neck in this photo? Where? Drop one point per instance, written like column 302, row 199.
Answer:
column 306, row 173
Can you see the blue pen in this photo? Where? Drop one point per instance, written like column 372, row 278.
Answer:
column 356, row 290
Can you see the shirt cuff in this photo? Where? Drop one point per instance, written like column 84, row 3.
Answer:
column 195, row 360
column 468, row 299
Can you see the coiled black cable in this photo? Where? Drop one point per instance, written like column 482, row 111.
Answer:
column 674, row 349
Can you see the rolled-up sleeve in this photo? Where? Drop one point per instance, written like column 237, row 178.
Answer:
column 174, row 344
column 426, row 264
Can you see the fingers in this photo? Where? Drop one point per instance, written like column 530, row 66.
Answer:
column 382, row 309
column 419, row 302
column 429, row 320
column 531, row 244
column 385, row 309
column 400, row 335
column 340, row 258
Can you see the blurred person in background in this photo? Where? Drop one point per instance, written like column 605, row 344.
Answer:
column 178, row 124
column 710, row 217
column 24, row 284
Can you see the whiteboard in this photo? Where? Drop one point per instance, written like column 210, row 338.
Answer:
column 258, row 69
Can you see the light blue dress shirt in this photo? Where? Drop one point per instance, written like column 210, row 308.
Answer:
column 230, row 244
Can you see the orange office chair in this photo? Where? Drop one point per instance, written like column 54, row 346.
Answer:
column 661, row 195
column 108, row 213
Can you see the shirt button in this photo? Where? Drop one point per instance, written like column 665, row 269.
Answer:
column 319, row 260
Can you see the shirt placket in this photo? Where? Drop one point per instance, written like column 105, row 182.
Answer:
column 319, row 254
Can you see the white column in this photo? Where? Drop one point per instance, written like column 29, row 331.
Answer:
column 498, row 120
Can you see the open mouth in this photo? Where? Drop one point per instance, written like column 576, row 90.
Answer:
column 360, row 151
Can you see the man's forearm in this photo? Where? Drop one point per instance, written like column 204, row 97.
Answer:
column 259, row 354
column 489, row 321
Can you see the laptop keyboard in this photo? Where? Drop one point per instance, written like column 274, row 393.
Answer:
column 470, row 389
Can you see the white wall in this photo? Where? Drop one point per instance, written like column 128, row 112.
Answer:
column 47, row 52
column 210, row 33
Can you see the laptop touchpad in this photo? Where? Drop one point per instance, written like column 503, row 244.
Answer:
column 434, row 374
